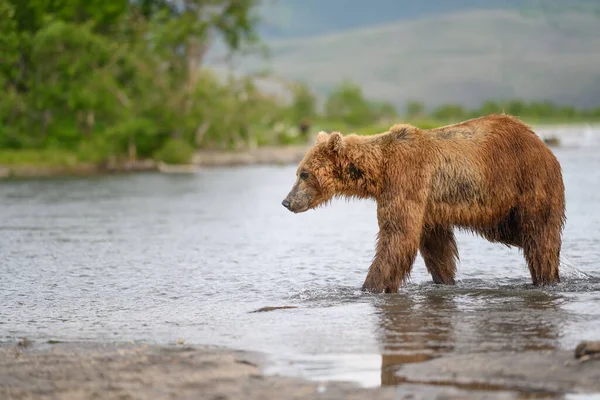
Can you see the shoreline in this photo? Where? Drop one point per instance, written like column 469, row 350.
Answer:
column 271, row 155
column 264, row 155
column 82, row 370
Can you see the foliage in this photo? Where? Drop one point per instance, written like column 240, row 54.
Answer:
column 175, row 151
column 39, row 157
column 126, row 79
column 415, row 109
column 534, row 111
column 304, row 103
column 449, row 112
column 347, row 103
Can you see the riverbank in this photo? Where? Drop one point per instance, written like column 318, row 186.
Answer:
column 273, row 155
column 136, row 371
column 139, row 371
column 265, row 155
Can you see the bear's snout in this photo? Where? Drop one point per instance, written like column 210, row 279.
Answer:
column 297, row 200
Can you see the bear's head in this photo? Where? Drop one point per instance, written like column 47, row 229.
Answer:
column 332, row 167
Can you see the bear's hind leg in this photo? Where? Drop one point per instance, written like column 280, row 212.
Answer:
column 439, row 251
column 541, row 247
column 508, row 231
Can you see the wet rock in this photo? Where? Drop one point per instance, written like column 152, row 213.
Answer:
column 265, row 309
column 552, row 141
column 587, row 350
column 541, row 372
column 24, row 342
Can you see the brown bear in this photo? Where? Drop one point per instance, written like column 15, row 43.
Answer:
column 492, row 175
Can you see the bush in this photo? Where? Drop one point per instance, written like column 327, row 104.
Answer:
column 138, row 132
column 175, row 151
column 38, row 157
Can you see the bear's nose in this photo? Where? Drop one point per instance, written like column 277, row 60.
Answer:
column 286, row 203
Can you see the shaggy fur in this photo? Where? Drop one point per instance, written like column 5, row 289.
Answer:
column 490, row 175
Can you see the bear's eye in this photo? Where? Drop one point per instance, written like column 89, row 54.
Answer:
column 303, row 175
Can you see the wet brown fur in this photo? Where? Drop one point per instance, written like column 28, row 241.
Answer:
column 490, row 175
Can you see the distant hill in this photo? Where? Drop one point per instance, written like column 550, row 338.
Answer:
column 469, row 54
column 302, row 18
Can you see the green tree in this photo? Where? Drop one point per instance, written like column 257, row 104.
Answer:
column 415, row 109
column 489, row 107
column 541, row 109
column 384, row 110
column 304, row 103
column 568, row 112
column 516, row 107
column 9, row 42
column 347, row 103
column 30, row 15
column 450, row 112
column 122, row 77
column 10, row 101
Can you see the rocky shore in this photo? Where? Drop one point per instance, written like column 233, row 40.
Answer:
column 73, row 371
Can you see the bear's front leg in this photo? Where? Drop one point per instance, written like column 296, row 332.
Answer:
column 397, row 246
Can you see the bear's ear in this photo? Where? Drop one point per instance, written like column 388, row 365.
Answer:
column 322, row 137
column 336, row 142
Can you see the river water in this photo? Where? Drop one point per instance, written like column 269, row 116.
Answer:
column 158, row 258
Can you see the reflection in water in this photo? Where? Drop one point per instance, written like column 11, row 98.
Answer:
column 429, row 322
column 414, row 329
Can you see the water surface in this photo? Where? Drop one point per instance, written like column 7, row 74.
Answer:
column 159, row 258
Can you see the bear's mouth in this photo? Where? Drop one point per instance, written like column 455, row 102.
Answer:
column 297, row 209
column 300, row 210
